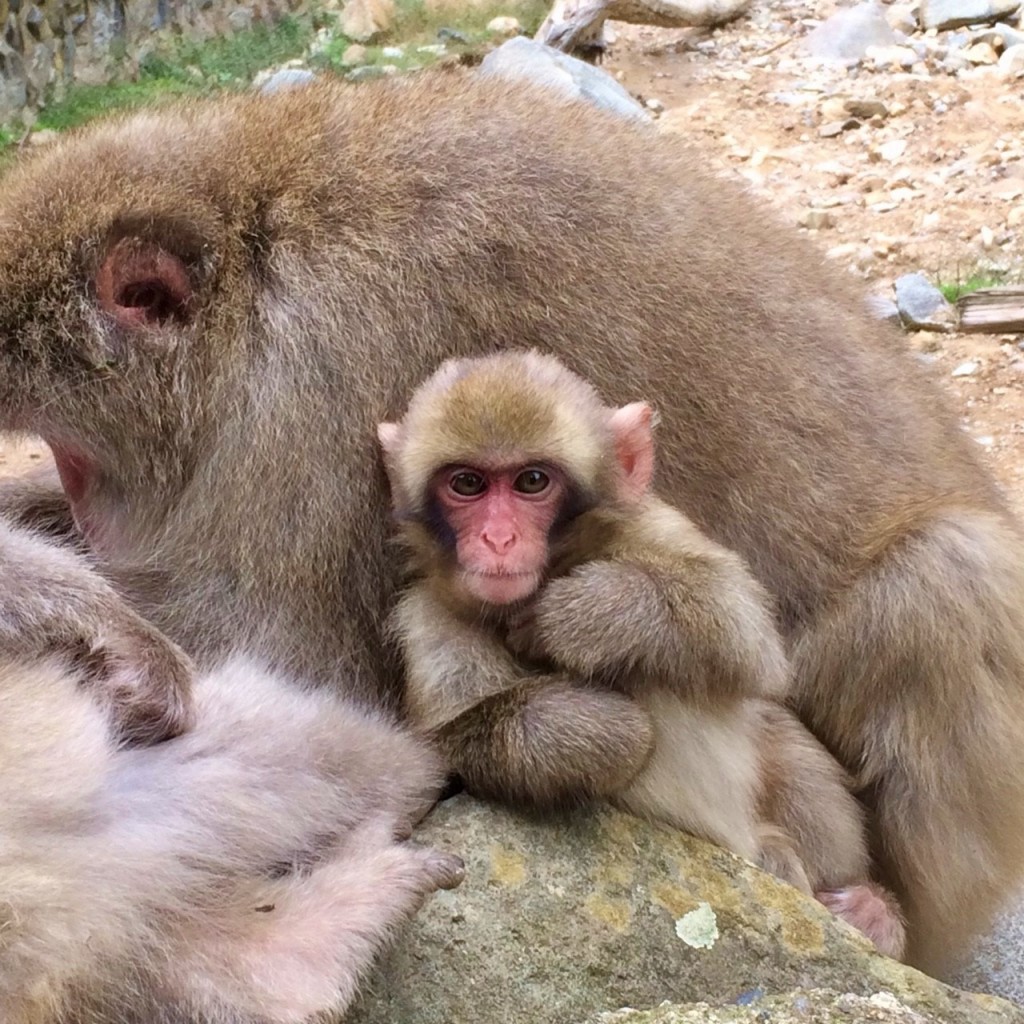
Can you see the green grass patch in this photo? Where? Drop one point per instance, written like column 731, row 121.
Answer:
column 178, row 67
column 230, row 60
column 975, row 281
column 418, row 25
column 85, row 102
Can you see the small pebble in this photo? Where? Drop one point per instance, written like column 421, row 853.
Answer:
column 966, row 369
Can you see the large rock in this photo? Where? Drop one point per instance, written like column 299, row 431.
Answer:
column 848, row 34
column 559, row 921
column 804, row 1006
column 525, row 58
column 945, row 14
column 998, row 964
column 363, row 20
column 922, row 306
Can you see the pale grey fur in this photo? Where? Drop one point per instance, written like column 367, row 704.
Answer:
column 248, row 870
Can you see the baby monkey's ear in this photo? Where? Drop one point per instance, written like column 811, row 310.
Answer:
column 388, row 434
column 633, row 431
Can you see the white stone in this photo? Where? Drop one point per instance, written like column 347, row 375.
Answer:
column 967, row 369
column 892, row 150
column 1011, row 63
column 891, row 56
column 945, row 14
column 981, row 53
column 504, row 26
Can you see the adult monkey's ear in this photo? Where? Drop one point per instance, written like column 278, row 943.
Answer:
column 141, row 283
column 633, row 431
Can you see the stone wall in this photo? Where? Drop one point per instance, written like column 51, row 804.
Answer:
column 47, row 44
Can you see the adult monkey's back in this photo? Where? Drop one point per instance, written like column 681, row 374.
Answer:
column 207, row 311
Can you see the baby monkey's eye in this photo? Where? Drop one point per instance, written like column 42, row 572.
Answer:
column 468, row 484
column 531, row 481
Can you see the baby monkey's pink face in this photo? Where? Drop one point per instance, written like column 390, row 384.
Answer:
column 501, row 518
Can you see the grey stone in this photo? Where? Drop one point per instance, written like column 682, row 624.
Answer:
column 1011, row 61
column 834, row 128
column 1009, row 36
column 944, row 14
column 882, row 308
column 287, row 78
column 846, row 36
column 922, row 306
column 366, row 73
column 998, row 963
column 524, row 58
column 241, row 19
column 955, row 62
column 452, row 35
column 802, row 1006
column 866, row 108
column 561, row 920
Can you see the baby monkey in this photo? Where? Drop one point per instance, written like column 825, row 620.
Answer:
column 568, row 635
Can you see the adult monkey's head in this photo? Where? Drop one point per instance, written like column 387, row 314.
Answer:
column 114, row 272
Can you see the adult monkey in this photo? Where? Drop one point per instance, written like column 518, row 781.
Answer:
column 207, row 310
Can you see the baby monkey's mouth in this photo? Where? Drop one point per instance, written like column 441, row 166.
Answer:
column 500, row 586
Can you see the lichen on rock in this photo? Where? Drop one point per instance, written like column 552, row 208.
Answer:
column 562, row 919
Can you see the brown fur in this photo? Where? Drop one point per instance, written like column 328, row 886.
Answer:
column 531, row 738
column 806, row 796
column 54, row 601
column 635, row 599
column 34, row 499
column 341, row 242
